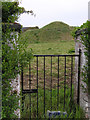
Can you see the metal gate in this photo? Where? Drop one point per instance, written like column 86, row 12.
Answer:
column 48, row 84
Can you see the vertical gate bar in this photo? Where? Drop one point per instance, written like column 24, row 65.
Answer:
column 22, row 88
column 30, row 86
column 37, row 87
column 64, row 82
column 51, row 85
column 44, row 87
column 58, row 85
column 78, row 89
column 71, row 82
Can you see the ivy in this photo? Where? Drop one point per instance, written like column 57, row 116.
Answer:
column 85, row 38
column 12, row 59
column 13, row 56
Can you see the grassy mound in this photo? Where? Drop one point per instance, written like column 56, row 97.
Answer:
column 55, row 31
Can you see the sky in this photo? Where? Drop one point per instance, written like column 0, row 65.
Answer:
column 71, row 12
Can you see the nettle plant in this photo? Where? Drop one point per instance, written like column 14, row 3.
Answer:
column 85, row 39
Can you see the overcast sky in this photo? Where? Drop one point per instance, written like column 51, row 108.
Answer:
column 71, row 12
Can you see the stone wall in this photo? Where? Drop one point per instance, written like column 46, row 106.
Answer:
column 83, row 95
column 15, row 83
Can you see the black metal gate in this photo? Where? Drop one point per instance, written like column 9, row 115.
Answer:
column 49, row 83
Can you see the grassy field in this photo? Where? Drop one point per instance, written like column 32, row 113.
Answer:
column 55, row 48
column 53, row 39
column 62, row 47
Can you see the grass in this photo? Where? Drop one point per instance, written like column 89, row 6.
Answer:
column 52, row 39
column 68, row 104
column 62, row 47
column 48, row 71
column 56, row 31
column 26, row 112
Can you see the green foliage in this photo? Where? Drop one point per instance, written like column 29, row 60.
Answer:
column 11, row 58
column 72, row 50
column 85, row 38
column 11, row 11
column 13, row 51
column 9, row 65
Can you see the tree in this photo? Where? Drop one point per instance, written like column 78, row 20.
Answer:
column 11, row 11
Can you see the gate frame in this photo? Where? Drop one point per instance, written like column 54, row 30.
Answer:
column 36, row 90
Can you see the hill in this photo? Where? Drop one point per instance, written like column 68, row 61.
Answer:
column 55, row 31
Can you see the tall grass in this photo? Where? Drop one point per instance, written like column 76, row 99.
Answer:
column 75, row 112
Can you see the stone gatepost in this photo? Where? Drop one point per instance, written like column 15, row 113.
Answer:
column 15, row 83
column 83, row 95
